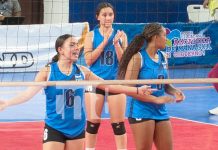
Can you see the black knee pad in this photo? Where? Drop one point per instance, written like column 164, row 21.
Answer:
column 92, row 128
column 118, row 128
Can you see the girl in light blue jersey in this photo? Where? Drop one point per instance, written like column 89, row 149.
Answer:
column 149, row 121
column 65, row 117
column 103, row 50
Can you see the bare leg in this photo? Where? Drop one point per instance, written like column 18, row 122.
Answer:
column 117, row 107
column 163, row 135
column 53, row 146
column 94, row 105
column 78, row 144
column 143, row 133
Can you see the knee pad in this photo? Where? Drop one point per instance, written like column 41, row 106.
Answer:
column 92, row 128
column 118, row 128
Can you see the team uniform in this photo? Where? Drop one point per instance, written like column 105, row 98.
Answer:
column 65, row 116
column 139, row 110
column 106, row 66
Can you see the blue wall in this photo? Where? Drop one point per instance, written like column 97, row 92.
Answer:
column 134, row 11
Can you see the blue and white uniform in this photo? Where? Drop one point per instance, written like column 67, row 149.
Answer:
column 106, row 66
column 64, row 110
column 150, row 70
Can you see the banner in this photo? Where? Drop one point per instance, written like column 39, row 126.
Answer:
column 187, row 43
column 28, row 48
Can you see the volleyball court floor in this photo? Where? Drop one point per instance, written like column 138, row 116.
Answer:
column 21, row 127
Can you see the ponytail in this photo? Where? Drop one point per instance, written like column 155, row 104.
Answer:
column 133, row 48
column 55, row 58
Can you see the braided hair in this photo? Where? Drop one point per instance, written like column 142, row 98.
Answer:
column 136, row 44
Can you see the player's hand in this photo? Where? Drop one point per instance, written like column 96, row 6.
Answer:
column 144, row 90
column 106, row 36
column 205, row 4
column 3, row 105
column 179, row 96
column 118, row 36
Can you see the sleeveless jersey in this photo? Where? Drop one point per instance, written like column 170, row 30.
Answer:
column 64, row 110
column 106, row 66
column 150, row 70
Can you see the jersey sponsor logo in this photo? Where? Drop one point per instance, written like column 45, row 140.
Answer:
column 78, row 77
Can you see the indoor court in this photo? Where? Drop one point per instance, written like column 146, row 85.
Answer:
column 191, row 47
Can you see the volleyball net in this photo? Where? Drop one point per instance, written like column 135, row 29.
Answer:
column 24, row 49
column 191, row 48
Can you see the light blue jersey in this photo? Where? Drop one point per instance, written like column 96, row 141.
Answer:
column 64, row 108
column 106, row 66
column 150, row 70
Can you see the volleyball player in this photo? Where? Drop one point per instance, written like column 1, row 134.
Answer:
column 103, row 49
column 144, row 60
column 65, row 118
